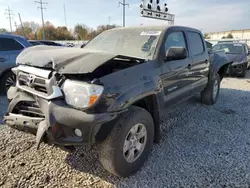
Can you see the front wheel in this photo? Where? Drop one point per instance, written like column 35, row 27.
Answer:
column 127, row 147
column 8, row 80
column 210, row 94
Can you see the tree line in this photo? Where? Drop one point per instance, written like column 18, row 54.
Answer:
column 34, row 31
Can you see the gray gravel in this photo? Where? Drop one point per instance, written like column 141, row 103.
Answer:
column 202, row 146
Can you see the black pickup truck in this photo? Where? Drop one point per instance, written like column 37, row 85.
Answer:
column 114, row 92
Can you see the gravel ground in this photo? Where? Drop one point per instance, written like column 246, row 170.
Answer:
column 202, row 146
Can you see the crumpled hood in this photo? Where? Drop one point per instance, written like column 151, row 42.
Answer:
column 64, row 59
column 236, row 57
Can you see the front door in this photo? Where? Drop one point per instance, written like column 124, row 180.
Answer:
column 175, row 74
column 4, row 56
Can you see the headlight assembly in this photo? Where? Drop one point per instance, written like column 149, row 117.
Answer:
column 80, row 94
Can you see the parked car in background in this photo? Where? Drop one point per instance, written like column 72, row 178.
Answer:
column 238, row 55
column 44, row 42
column 10, row 47
column 114, row 91
column 69, row 44
column 35, row 42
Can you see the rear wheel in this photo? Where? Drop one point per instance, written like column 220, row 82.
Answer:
column 210, row 94
column 128, row 146
column 8, row 80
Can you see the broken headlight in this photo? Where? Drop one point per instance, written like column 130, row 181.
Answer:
column 81, row 95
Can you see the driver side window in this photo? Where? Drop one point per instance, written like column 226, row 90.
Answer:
column 176, row 39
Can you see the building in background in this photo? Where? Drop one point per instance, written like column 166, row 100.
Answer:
column 242, row 35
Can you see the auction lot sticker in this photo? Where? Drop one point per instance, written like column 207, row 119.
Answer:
column 237, row 44
column 151, row 33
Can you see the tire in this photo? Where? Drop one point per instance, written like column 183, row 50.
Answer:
column 208, row 96
column 111, row 151
column 7, row 81
column 244, row 71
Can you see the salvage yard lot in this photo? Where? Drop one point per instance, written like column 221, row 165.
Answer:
column 201, row 146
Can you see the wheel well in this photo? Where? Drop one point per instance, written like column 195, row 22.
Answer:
column 222, row 71
column 5, row 72
column 149, row 103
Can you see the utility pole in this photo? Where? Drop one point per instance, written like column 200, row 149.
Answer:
column 42, row 8
column 16, row 25
column 21, row 24
column 65, row 19
column 109, row 19
column 9, row 14
column 124, row 4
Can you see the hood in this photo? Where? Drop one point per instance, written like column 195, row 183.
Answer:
column 64, row 59
column 235, row 57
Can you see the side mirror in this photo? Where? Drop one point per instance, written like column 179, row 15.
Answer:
column 176, row 53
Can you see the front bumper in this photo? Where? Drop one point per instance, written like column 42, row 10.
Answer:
column 58, row 121
column 236, row 69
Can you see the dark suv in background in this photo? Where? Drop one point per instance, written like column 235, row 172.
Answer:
column 10, row 47
column 238, row 55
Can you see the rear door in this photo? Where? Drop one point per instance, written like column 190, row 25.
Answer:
column 175, row 74
column 200, row 61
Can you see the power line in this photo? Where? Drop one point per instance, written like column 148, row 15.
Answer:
column 124, row 4
column 65, row 18
column 42, row 8
column 9, row 14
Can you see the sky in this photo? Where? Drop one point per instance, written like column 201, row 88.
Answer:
column 206, row 15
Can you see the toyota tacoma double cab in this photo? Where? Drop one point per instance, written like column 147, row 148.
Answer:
column 114, row 91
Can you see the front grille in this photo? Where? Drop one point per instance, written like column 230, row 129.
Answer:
column 30, row 109
column 38, row 84
column 44, row 86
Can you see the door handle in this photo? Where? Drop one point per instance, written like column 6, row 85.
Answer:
column 189, row 66
column 2, row 59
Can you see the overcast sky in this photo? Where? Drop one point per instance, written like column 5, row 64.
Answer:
column 208, row 15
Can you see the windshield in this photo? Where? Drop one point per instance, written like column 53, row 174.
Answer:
column 138, row 43
column 230, row 48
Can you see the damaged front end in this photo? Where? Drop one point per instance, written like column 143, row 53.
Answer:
column 37, row 105
column 60, row 97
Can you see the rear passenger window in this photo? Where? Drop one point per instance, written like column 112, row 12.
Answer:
column 175, row 39
column 196, row 44
column 7, row 44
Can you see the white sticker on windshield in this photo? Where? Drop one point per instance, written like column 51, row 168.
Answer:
column 151, row 33
column 237, row 45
